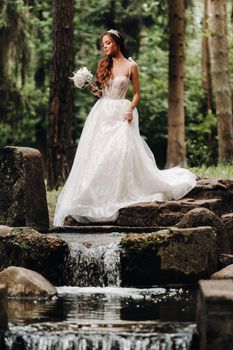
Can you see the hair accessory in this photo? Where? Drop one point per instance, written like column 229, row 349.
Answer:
column 113, row 31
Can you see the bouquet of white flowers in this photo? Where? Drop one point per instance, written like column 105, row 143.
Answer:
column 83, row 78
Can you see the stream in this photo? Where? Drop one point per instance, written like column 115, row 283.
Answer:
column 95, row 312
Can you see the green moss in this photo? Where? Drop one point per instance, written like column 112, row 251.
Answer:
column 139, row 242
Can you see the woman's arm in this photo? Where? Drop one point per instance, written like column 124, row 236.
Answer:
column 136, row 92
column 94, row 90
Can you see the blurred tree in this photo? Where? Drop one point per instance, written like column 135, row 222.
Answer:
column 221, row 75
column 206, row 60
column 14, row 57
column 25, row 55
column 61, row 94
column 176, row 150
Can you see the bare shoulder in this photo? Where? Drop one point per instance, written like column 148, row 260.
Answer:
column 134, row 65
column 134, row 68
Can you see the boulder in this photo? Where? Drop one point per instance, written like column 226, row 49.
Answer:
column 21, row 282
column 22, row 189
column 215, row 315
column 226, row 273
column 168, row 256
column 205, row 217
column 166, row 214
column 30, row 249
column 227, row 220
column 214, row 188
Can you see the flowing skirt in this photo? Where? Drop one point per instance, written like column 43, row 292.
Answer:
column 114, row 168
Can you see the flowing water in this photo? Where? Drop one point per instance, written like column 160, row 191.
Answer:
column 95, row 259
column 94, row 312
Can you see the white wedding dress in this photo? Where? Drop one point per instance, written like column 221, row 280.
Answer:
column 113, row 166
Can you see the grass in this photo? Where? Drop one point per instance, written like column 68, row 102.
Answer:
column 219, row 171
column 52, row 197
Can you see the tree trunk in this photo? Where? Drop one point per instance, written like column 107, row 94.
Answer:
column 231, row 12
column 61, row 94
column 206, row 61
column 176, row 150
column 222, row 80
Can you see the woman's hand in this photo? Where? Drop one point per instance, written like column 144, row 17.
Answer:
column 128, row 116
column 94, row 90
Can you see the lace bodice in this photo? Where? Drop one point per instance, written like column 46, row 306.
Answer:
column 116, row 88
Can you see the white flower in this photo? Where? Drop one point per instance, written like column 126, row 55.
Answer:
column 83, row 77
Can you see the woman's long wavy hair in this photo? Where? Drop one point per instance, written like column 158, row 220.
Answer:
column 105, row 65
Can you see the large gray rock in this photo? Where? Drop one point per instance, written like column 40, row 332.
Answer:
column 168, row 256
column 22, row 189
column 30, row 249
column 166, row 214
column 21, row 282
column 215, row 315
column 224, row 274
column 205, row 217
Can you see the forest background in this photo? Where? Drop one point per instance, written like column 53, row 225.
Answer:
column 25, row 57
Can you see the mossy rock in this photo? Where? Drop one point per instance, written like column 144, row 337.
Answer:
column 42, row 253
column 168, row 256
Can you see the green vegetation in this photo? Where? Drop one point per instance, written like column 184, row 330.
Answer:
column 24, row 88
column 219, row 171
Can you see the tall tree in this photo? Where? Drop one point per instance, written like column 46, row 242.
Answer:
column 61, row 94
column 13, row 61
column 222, row 80
column 206, row 60
column 176, row 150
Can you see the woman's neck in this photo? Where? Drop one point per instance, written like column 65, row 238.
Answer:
column 118, row 58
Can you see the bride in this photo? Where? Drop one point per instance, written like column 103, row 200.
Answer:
column 113, row 166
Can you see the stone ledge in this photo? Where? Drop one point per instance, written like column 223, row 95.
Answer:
column 166, row 213
column 217, row 290
column 104, row 229
column 215, row 314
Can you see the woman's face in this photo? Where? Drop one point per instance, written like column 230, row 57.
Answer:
column 109, row 46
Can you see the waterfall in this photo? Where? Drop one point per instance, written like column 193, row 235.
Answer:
column 94, row 313
column 93, row 263
column 29, row 338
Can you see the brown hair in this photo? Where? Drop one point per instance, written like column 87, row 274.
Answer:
column 105, row 65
